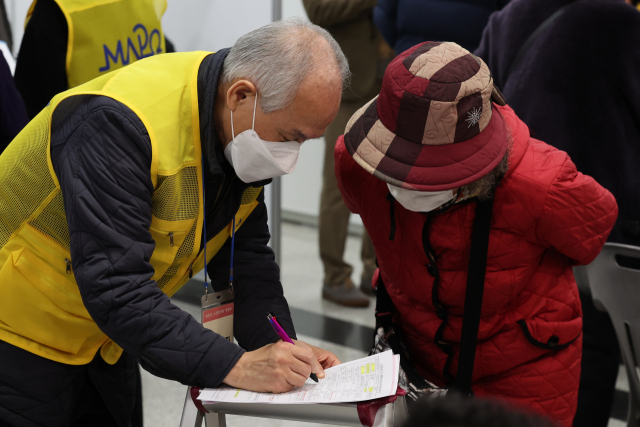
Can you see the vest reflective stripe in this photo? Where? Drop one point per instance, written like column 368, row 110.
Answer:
column 41, row 309
column 105, row 35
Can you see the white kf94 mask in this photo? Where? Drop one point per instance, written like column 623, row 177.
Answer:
column 420, row 201
column 256, row 160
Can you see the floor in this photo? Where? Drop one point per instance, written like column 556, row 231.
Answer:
column 344, row 331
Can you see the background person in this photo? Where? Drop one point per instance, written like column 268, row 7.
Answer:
column 101, row 238
column 583, row 69
column 413, row 163
column 405, row 23
column 81, row 40
column 350, row 23
column 13, row 114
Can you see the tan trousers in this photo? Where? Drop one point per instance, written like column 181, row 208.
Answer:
column 334, row 214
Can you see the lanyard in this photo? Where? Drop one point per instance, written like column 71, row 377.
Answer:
column 204, row 239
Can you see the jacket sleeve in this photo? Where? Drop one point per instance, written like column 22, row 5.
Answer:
column 256, row 282
column 327, row 13
column 578, row 214
column 102, row 157
column 385, row 16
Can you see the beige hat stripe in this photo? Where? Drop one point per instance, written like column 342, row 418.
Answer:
column 428, row 64
column 368, row 156
column 441, row 123
column 380, row 137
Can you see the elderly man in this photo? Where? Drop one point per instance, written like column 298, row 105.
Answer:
column 110, row 199
column 476, row 226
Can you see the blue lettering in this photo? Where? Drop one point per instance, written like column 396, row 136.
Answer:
column 119, row 56
column 159, row 38
column 108, row 54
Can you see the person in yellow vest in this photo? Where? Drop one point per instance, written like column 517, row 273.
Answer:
column 69, row 42
column 111, row 197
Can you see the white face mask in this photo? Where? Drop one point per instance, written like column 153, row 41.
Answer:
column 420, row 201
column 254, row 159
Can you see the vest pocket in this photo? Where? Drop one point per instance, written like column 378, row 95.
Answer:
column 42, row 304
column 169, row 237
column 551, row 335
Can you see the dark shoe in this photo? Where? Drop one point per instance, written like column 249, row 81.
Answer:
column 365, row 287
column 345, row 294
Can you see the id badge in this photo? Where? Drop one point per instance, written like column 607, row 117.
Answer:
column 217, row 313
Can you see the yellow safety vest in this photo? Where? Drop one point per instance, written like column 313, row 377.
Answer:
column 41, row 310
column 105, row 35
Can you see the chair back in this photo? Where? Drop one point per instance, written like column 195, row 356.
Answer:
column 614, row 279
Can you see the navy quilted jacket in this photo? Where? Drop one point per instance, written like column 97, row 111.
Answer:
column 405, row 23
column 101, row 154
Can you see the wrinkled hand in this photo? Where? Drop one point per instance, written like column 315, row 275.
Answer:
column 325, row 359
column 273, row 368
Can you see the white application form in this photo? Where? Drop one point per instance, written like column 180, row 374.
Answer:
column 368, row 378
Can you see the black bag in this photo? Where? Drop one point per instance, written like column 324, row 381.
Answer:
column 387, row 334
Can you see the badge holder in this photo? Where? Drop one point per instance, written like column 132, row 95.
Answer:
column 217, row 307
column 217, row 313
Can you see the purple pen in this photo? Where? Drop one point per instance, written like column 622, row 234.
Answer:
column 283, row 335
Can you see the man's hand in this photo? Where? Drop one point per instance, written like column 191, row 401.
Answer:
column 273, row 368
column 325, row 359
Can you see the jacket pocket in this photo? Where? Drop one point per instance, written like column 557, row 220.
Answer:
column 551, row 335
column 43, row 305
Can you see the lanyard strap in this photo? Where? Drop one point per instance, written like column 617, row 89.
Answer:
column 204, row 239
column 233, row 241
column 204, row 230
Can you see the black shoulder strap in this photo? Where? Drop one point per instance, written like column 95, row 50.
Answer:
column 472, row 303
column 532, row 38
column 473, row 295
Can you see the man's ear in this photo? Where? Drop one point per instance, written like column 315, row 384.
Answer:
column 240, row 92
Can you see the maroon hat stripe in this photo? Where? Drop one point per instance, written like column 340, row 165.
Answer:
column 412, row 117
column 390, row 167
column 446, row 92
column 422, row 49
column 360, row 128
column 403, row 151
column 469, row 111
column 395, row 78
column 459, row 70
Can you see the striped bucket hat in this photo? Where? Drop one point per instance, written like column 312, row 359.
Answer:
column 433, row 126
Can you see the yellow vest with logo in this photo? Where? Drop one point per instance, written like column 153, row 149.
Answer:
column 105, row 35
column 41, row 310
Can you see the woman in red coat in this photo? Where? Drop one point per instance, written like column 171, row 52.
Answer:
column 413, row 163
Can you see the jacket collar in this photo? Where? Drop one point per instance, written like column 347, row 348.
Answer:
column 208, row 78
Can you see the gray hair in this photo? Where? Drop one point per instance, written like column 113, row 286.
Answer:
column 483, row 187
column 277, row 58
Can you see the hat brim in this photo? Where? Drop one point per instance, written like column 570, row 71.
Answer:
column 419, row 167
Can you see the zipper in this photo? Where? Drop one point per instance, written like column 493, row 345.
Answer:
column 191, row 270
column 171, row 238
column 68, row 261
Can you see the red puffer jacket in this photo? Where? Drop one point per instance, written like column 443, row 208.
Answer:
column 547, row 217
